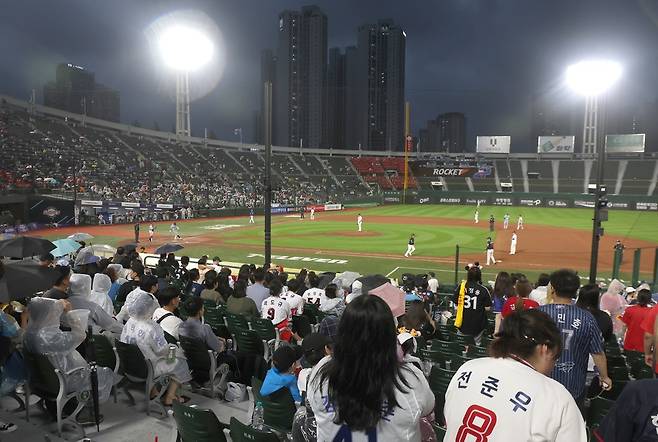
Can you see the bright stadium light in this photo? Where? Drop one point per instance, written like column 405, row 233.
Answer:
column 185, row 49
column 188, row 44
column 593, row 77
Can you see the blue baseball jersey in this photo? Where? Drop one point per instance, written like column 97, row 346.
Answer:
column 580, row 338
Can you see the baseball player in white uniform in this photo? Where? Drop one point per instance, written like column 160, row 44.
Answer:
column 519, row 223
column 512, row 247
column 506, row 221
column 477, row 216
column 295, row 302
column 151, row 232
column 312, row 213
column 175, row 230
column 275, row 309
column 313, row 296
column 490, row 252
column 411, row 245
column 359, row 222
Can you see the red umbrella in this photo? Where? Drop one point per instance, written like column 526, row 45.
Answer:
column 392, row 295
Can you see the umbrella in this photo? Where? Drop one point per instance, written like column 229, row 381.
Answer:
column 344, row 280
column 325, row 279
column 80, row 236
column 21, row 279
column 64, row 247
column 168, row 248
column 372, row 281
column 392, row 295
column 130, row 246
column 22, row 246
column 104, row 250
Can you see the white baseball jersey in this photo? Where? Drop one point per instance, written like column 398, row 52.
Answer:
column 151, row 230
column 505, row 400
column 359, row 219
column 295, row 302
column 313, row 296
column 174, row 228
column 514, row 238
column 275, row 309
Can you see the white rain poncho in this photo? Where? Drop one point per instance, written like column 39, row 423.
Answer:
column 99, row 293
column 118, row 271
column 142, row 331
column 80, row 298
column 44, row 336
column 124, row 314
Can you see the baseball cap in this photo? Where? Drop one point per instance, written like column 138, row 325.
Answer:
column 285, row 356
column 630, row 290
column 315, row 341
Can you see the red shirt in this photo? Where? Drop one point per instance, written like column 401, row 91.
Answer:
column 634, row 318
column 508, row 308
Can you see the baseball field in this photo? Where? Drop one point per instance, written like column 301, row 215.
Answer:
column 552, row 238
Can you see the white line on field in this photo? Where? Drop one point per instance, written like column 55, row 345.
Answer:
column 392, row 271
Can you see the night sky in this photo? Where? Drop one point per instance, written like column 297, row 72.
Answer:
column 485, row 58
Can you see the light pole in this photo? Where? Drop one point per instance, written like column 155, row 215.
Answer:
column 238, row 131
column 593, row 79
column 184, row 49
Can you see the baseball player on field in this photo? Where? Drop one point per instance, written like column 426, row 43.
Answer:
column 411, row 245
column 512, row 247
column 519, row 223
column 175, row 230
column 312, row 212
column 490, row 252
column 151, row 232
column 506, row 221
column 476, row 218
column 359, row 222
column 492, row 223
column 251, row 216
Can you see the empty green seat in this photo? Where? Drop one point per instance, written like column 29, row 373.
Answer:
column 197, row 424
column 240, row 432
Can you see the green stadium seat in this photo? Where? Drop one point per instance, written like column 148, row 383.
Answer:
column 278, row 408
column 248, row 341
column 597, row 410
column 439, row 379
column 433, row 357
column 475, row 351
column 236, row 322
column 211, row 377
column 446, row 347
column 197, row 424
column 240, row 432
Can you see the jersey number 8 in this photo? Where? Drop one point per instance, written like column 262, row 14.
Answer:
column 478, row 422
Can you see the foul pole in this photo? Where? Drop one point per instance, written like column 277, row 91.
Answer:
column 408, row 144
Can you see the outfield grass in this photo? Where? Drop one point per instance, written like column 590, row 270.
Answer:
column 326, row 238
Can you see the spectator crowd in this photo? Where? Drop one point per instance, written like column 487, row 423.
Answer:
column 358, row 357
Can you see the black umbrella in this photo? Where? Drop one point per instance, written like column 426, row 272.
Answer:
column 22, row 246
column 325, row 279
column 129, row 247
column 93, row 375
column 372, row 282
column 21, row 279
column 168, row 248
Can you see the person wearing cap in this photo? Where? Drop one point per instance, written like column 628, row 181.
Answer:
column 60, row 289
column 315, row 346
column 281, row 375
column 136, row 274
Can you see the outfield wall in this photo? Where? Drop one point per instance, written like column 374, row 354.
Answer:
column 518, row 199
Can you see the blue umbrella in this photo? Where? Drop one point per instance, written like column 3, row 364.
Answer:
column 64, row 247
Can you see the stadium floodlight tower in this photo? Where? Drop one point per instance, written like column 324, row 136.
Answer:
column 184, row 49
column 592, row 79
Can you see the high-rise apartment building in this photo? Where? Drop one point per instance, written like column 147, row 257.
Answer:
column 300, row 78
column 75, row 90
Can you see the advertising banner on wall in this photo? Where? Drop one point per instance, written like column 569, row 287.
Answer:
column 556, row 144
column 493, row 144
column 428, row 169
column 624, row 143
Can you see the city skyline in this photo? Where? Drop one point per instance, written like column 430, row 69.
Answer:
column 484, row 59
